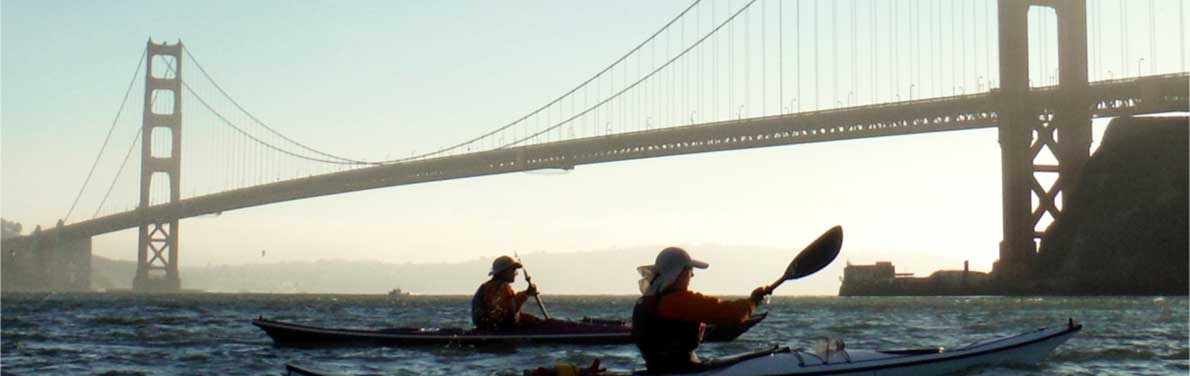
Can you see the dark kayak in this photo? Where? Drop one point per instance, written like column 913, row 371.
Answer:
column 586, row 331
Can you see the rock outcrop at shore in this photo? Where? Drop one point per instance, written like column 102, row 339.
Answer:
column 1125, row 229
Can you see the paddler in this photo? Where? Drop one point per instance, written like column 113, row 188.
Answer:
column 496, row 305
column 668, row 321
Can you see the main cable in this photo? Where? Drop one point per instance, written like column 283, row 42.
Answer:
column 556, row 100
column 634, row 84
column 258, row 140
column 261, row 123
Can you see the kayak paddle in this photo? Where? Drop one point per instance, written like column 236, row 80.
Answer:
column 815, row 257
column 529, row 279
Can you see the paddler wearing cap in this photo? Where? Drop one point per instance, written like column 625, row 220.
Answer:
column 496, row 305
column 668, row 321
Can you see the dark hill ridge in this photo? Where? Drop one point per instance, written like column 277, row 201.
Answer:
column 1125, row 229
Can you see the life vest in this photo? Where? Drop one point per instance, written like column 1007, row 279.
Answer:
column 481, row 312
column 666, row 344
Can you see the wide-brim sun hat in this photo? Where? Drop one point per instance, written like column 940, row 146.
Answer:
column 670, row 264
column 503, row 263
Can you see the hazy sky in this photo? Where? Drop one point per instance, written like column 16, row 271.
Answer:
column 384, row 79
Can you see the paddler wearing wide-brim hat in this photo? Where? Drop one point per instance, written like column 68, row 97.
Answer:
column 668, row 320
column 496, row 305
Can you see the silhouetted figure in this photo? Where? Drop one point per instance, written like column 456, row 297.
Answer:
column 668, row 321
column 496, row 305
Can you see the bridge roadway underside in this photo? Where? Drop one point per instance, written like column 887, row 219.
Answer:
column 1153, row 94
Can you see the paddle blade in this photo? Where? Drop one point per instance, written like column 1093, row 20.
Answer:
column 817, row 255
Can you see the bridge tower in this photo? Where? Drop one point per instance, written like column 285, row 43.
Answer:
column 157, row 249
column 1059, row 122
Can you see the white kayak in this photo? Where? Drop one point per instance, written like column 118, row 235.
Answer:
column 1027, row 348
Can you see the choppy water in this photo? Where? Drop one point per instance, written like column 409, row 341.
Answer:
column 123, row 334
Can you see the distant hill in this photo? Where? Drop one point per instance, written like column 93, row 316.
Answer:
column 734, row 270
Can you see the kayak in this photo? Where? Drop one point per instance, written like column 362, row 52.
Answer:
column 836, row 359
column 1023, row 349
column 585, row 331
column 1026, row 348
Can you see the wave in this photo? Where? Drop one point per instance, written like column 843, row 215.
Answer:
column 1072, row 354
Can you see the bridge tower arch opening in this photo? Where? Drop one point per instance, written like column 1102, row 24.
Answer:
column 1032, row 128
column 157, row 246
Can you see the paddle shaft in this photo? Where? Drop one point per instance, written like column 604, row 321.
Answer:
column 772, row 287
column 540, row 304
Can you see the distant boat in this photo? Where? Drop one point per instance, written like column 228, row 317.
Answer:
column 398, row 293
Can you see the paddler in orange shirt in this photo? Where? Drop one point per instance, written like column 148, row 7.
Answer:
column 496, row 305
column 668, row 321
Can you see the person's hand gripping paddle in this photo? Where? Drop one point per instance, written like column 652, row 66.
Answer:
column 537, row 296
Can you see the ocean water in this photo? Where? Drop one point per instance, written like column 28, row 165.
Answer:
column 211, row 334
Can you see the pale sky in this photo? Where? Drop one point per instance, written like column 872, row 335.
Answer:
column 377, row 80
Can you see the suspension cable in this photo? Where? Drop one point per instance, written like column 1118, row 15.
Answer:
column 135, row 141
column 261, row 123
column 638, row 82
column 257, row 140
column 140, row 62
column 556, row 100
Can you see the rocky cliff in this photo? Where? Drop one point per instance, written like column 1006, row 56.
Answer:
column 1125, row 229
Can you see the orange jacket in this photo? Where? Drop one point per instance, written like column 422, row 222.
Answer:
column 695, row 307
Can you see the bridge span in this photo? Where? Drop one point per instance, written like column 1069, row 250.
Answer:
column 1145, row 95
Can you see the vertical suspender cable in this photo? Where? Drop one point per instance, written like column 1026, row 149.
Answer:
column 731, row 68
column 912, row 48
column 1182, row 32
column 1123, row 39
column 987, row 37
column 1152, row 39
column 835, row 51
column 974, row 54
column 1093, row 13
column 1045, row 47
column 962, row 46
column 954, row 75
column 892, row 50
